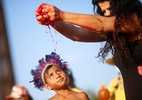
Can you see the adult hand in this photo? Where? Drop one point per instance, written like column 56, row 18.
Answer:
column 47, row 13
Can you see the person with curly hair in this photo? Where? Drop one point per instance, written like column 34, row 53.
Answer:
column 121, row 29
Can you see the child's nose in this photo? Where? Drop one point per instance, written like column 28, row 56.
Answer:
column 57, row 75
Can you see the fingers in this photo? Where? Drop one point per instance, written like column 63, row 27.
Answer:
column 38, row 17
column 46, row 12
column 39, row 9
column 42, row 15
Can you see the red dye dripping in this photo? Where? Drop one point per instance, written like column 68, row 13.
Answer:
column 45, row 21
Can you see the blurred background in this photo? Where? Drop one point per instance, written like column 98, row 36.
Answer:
column 23, row 42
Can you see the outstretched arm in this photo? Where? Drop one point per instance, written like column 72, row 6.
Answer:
column 77, row 33
column 97, row 23
column 46, row 15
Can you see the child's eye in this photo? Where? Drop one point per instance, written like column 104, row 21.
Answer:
column 59, row 70
column 51, row 75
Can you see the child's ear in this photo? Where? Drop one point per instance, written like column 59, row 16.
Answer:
column 47, row 87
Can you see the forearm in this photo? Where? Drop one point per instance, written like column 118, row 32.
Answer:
column 46, row 13
column 68, row 30
column 77, row 33
column 91, row 27
column 97, row 23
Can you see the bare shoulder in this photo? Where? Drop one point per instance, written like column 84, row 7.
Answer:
column 82, row 96
column 53, row 98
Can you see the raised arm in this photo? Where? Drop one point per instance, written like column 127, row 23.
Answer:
column 46, row 15
column 91, row 21
column 99, row 24
column 76, row 33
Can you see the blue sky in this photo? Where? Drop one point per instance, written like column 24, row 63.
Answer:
column 30, row 41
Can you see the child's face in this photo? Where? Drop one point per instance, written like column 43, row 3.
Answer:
column 56, row 77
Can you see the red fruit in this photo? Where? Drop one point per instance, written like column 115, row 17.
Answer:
column 43, row 13
column 43, row 21
column 39, row 9
column 47, row 23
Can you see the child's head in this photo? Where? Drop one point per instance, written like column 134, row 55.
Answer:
column 45, row 66
column 54, row 77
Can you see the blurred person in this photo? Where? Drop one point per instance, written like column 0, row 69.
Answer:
column 116, row 89
column 116, row 86
column 19, row 92
column 52, row 74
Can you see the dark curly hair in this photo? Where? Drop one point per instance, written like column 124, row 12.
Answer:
column 97, row 8
column 123, row 10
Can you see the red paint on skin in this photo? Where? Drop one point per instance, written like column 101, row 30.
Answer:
column 43, row 21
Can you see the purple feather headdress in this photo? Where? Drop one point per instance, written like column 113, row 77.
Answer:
column 53, row 58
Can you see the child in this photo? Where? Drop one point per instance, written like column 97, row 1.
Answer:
column 51, row 73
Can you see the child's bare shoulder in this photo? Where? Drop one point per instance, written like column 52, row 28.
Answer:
column 55, row 97
column 82, row 95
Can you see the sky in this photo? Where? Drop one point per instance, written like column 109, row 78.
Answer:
column 30, row 41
